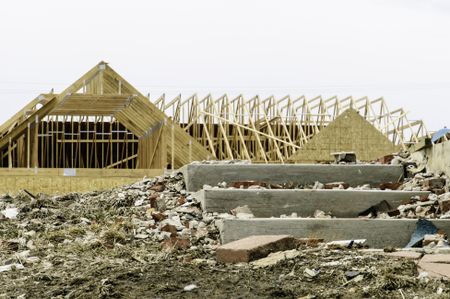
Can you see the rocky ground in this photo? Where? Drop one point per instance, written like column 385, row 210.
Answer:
column 151, row 240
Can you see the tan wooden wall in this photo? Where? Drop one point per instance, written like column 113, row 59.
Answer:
column 60, row 181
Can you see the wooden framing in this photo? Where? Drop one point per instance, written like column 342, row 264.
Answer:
column 272, row 130
column 102, row 122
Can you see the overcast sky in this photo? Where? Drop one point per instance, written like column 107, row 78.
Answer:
column 396, row 49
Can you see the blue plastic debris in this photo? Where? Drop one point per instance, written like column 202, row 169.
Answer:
column 423, row 227
column 439, row 134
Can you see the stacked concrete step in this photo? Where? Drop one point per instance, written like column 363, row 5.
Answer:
column 197, row 175
column 273, row 203
column 344, row 204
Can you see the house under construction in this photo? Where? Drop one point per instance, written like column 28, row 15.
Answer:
column 101, row 132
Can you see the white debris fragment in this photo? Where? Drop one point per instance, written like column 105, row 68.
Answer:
column 10, row 213
column 10, row 267
column 138, row 202
column 347, row 243
column 190, row 287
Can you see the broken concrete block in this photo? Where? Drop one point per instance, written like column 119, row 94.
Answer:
column 432, row 238
column 436, row 258
column 409, row 255
column 254, row 247
column 436, row 270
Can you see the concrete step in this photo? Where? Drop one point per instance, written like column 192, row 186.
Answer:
column 271, row 202
column 379, row 233
column 197, row 175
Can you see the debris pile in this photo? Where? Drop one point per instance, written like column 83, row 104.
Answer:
column 152, row 238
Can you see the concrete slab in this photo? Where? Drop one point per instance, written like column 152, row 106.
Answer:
column 436, row 270
column 197, row 175
column 409, row 255
column 270, row 202
column 253, row 247
column 379, row 233
column 436, row 258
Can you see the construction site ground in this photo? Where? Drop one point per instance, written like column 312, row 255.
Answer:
column 93, row 246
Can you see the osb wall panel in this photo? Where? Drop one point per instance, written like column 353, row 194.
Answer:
column 53, row 181
column 348, row 132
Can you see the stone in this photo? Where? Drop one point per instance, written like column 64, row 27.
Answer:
column 351, row 274
column 190, row 287
column 310, row 273
column 254, row 247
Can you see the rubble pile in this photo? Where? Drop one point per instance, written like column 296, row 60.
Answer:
column 157, row 209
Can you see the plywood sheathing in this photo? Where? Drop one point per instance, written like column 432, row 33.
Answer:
column 54, row 181
column 349, row 132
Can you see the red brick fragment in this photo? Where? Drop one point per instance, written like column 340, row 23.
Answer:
column 170, row 229
column 158, row 187
column 434, row 183
column 386, row 159
column 181, row 200
column 389, row 186
column 153, row 199
column 444, row 205
column 157, row 216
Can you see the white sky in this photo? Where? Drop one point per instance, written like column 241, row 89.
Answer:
column 398, row 49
